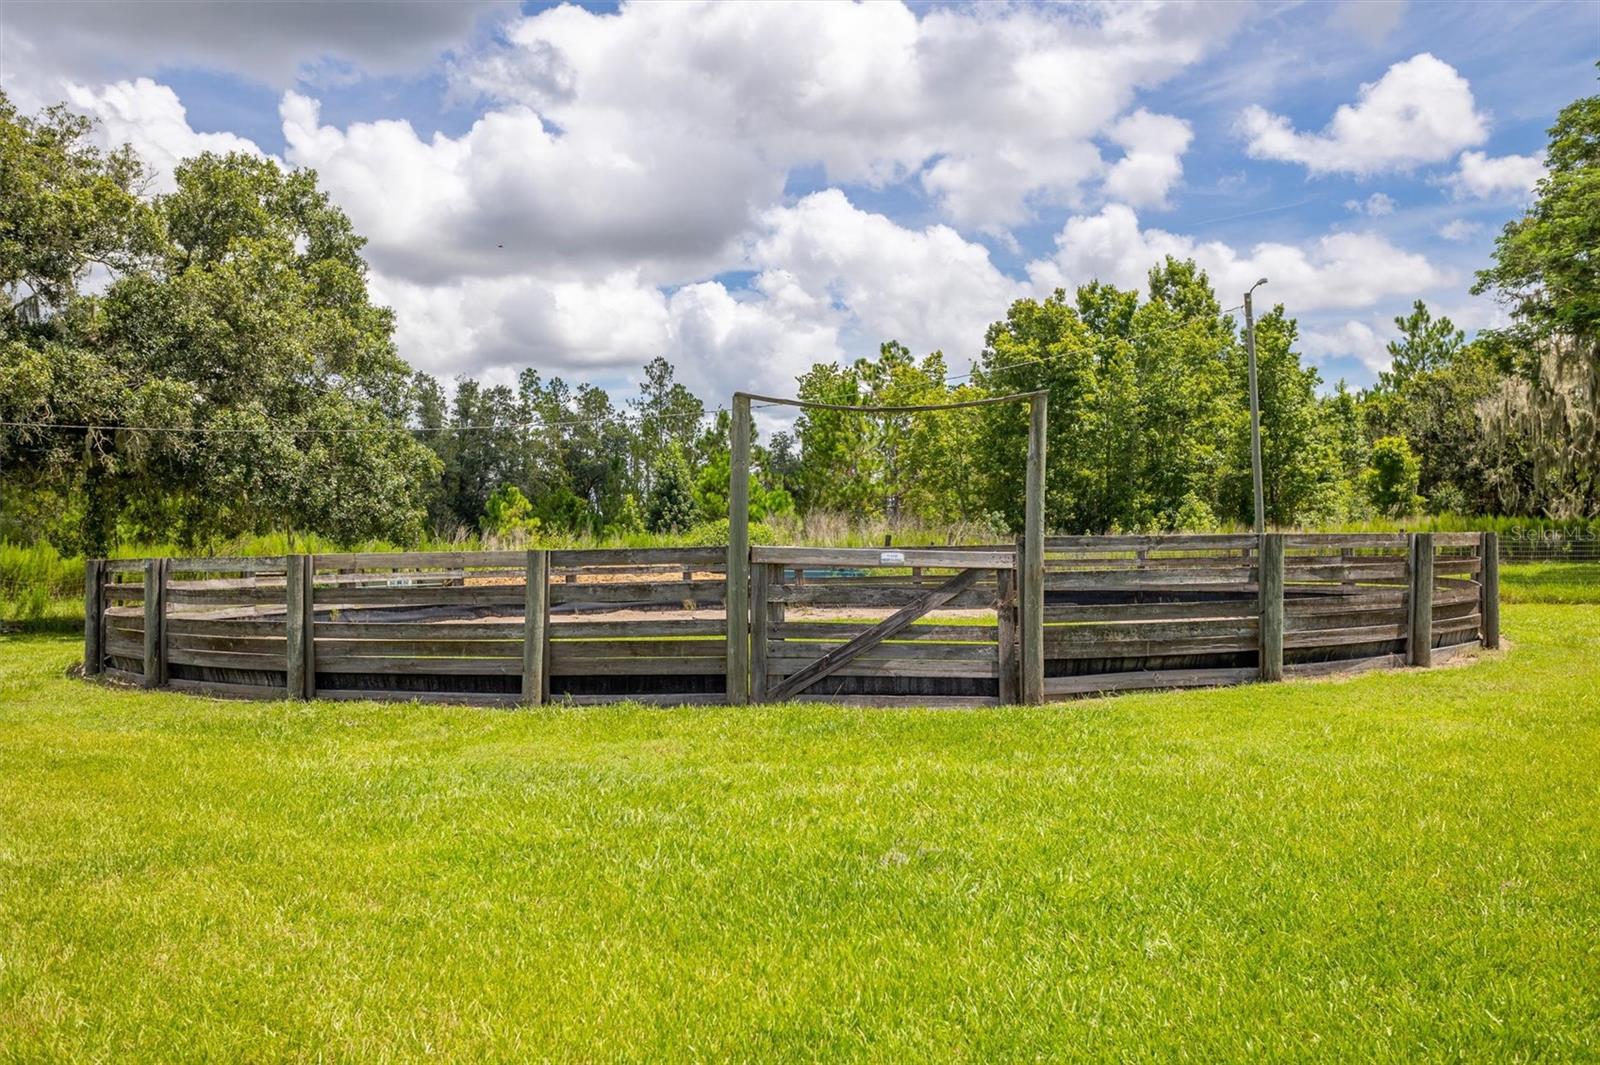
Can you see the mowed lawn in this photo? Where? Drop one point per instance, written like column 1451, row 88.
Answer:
column 1401, row 865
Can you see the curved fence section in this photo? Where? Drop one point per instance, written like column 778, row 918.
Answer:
column 925, row 626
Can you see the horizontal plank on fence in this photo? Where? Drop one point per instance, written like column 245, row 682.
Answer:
column 781, row 666
column 429, row 648
column 928, row 578
column 1147, row 679
column 811, row 594
column 1176, row 542
column 124, row 565
column 419, row 630
column 1444, row 565
column 1154, row 563
column 1340, row 637
column 573, row 650
column 929, row 652
column 267, row 645
column 928, row 557
column 1369, row 597
column 1457, row 539
column 562, row 665
column 836, row 630
column 227, row 627
column 672, row 627
column 123, row 676
column 1391, row 541
column 426, row 578
column 1458, row 609
column 1136, row 581
column 414, row 666
column 1323, row 569
column 1344, row 619
column 699, row 557
column 223, row 564
column 414, row 596
column 653, row 593
column 120, row 643
column 263, row 594
column 1193, row 645
column 1470, row 623
column 1344, row 666
column 419, row 559
column 228, row 690
column 1094, row 612
column 1142, row 631
column 185, row 656
column 125, row 593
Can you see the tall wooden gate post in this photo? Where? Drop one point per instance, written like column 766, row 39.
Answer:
column 737, row 600
column 300, row 626
column 155, row 628
column 536, row 628
column 1269, row 584
column 294, row 626
column 1419, row 647
column 1031, row 575
column 94, row 609
column 1489, row 552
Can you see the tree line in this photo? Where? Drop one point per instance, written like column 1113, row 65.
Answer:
column 206, row 363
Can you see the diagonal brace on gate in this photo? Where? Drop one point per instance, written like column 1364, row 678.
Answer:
column 840, row 657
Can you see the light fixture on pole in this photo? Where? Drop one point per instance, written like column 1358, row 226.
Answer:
column 1255, row 410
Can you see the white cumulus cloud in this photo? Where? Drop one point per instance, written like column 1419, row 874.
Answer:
column 992, row 110
column 151, row 118
column 1339, row 270
column 1152, row 163
column 1484, row 177
column 1420, row 111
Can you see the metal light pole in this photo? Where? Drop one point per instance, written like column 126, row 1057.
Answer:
column 1255, row 409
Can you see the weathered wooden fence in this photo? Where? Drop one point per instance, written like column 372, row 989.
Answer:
column 925, row 626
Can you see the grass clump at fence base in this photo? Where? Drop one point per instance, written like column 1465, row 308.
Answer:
column 1393, row 866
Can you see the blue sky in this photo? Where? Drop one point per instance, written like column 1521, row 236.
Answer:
column 747, row 189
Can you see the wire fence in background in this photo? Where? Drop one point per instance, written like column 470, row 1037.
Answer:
column 1535, row 545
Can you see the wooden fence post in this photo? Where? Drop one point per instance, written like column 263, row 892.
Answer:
column 760, row 582
column 309, row 621
column 1419, row 647
column 536, row 628
column 1032, row 573
column 1006, row 637
column 294, row 626
column 737, row 598
column 94, row 655
column 1489, row 547
column 1270, row 601
column 155, row 642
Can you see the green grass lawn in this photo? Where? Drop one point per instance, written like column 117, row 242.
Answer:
column 1550, row 582
column 1399, row 865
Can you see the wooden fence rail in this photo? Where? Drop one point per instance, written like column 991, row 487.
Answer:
column 928, row 626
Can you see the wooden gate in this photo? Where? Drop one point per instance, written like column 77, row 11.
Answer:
column 854, row 625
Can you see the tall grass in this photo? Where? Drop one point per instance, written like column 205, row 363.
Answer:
column 33, row 576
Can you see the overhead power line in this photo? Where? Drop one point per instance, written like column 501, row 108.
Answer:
column 311, row 431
